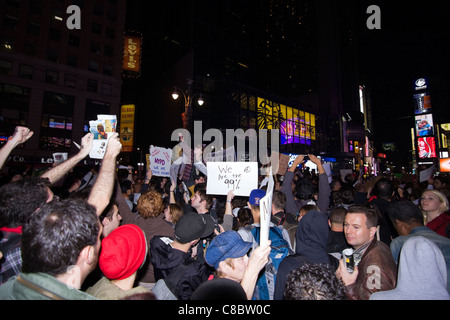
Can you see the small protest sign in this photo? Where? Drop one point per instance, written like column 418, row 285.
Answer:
column 160, row 161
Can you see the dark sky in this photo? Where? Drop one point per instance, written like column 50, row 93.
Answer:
column 414, row 42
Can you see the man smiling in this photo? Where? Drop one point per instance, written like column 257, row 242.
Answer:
column 375, row 268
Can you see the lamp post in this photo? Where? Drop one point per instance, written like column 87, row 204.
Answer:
column 188, row 97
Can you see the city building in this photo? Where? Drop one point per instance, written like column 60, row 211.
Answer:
column 60, row 66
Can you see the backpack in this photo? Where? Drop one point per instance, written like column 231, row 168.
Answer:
column 265, row 285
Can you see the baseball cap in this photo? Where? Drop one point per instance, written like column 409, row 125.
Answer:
column 228, row 244
column 255, row 196
column 193, row 226
column 123, row 252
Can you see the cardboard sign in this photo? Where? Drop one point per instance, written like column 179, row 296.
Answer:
column 242, row 177
column 265, row 206
column 102, row 129
column 160, row 160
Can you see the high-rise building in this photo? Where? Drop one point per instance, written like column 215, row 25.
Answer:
column 55, row 74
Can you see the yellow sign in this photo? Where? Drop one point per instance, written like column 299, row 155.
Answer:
column 127, row 127
column 295, row 125
column 132, row 54
column 445, row 126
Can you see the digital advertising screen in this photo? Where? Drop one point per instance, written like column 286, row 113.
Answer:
column 444, row 164
column 424, row 125
column 426, row 147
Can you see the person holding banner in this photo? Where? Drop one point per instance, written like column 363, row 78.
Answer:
column 305, row 194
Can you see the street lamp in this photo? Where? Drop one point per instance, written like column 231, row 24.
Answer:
column 186, row 115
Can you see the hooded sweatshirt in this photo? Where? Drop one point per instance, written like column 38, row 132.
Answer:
column 422, row 273
column 165, row 258
column 311, row 244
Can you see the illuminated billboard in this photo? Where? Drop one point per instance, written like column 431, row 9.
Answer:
column 424, row 125
column 132, row 54
column 426, row 147
column 444, row 164
column 127, row 127
column 296, row 126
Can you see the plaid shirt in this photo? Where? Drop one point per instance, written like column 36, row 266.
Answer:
column 11, row 263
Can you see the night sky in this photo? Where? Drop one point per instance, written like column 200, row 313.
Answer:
column 414, row 42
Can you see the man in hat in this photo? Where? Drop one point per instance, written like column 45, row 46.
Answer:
column 172, row 257
column 123, row 252
column 227, row 253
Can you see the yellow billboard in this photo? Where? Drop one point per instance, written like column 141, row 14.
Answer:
column 127, row 127
column 296, row 126
column 132, row 53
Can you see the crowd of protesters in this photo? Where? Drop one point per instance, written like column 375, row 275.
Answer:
column 75, row 232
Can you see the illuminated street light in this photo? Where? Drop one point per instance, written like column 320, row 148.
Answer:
column 186, row 115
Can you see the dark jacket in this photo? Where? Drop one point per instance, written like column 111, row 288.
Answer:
column 311, row 242
column 165, row 258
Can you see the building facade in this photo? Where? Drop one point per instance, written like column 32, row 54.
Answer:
column 54, row 79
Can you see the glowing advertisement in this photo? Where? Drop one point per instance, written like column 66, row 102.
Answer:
column 426, row 147
column 296, row 126
column 424, row 125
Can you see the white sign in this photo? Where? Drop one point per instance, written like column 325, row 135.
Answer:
column 160, row 161
column 265, row 206
column 242, row 177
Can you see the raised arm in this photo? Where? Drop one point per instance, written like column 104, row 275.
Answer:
column 286, row 188
column 323, row 201
column 103, row 187
column 57, row 172
column 20, row 135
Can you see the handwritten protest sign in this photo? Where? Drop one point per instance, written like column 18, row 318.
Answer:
column 160, row 161
column 242, row 177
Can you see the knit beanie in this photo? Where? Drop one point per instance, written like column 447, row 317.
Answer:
column 123, row 252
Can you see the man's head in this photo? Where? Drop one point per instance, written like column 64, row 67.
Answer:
column 19, row 199
column 193, row 226
column 305, row 189
column 405, row 216
column 384, row 189
column 201, row 201
column 314, row 282
column 439, row 183
column 60, row 235
column 227, row 253
column 337, row 216
column 278, row 201
column 253, row 203
column 360, row 225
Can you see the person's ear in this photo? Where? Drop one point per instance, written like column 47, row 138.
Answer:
column 372, row 231
column 88, row 254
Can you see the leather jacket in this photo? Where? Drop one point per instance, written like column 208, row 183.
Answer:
column 377, row 272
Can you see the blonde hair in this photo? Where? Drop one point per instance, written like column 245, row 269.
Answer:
column 442, row 199
column 176, row 211
column 220, row 273
column 150, row 204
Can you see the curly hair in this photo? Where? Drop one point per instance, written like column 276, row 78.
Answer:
column 150, row 204
column 314, row 282
column 21, row 198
